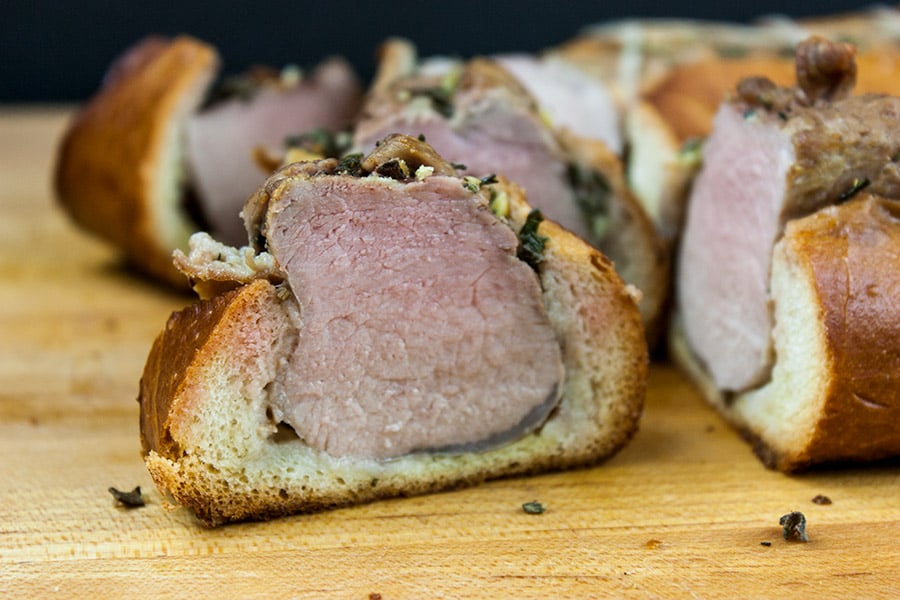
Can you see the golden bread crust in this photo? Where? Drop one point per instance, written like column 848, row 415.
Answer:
column 844, row 259
column 852, row 252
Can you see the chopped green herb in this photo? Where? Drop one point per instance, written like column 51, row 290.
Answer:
column 533, row 508
column 749, row 113
column 531, row 244
column 441, row 99
column 421, row 137
column 459, row 166
column 765, row 543
column 821, row 500
column 782, row 115
column 592, row 194
column 857, row 185
column 489, row 179
column 132, row 499
column 794, row 526
column 473, row 184
column 241, row 87
column 691, row 152
column 320, row 141
column 350, row 164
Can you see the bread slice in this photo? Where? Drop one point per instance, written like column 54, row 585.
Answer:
column 159, row 152
column 834, row 391
column 120, row 171
column 211, row 440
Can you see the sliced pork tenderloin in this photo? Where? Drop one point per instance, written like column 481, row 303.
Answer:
column 223, row 137
column 568, row 97
column 409, row 345
column 480, row 116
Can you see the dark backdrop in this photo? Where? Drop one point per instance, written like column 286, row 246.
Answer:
column 57, row 50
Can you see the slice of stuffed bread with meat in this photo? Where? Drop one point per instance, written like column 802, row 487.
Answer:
column 393, row 329
column 788, row 272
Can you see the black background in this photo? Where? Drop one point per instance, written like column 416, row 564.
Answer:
column 57, row 50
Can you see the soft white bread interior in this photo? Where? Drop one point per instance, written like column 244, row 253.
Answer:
column 834, row 391
column 211, row 444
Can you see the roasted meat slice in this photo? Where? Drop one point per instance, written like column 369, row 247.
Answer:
column 481, row 117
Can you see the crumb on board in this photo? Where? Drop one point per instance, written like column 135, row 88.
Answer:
column 821, row 499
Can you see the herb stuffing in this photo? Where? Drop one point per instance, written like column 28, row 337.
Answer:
column 794, row 526
column 691, row 152
column 533, row 508
column 396, row 168
column 351, row 164
column 473, row 184
column 320, row 141
column 132, row 499
column 531, row 244
column 592, row 194
column 499, row 203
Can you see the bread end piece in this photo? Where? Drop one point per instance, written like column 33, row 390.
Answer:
column 119, row 171
column 834, row 393
column 209, row 444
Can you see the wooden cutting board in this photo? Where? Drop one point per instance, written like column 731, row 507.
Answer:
column 684, row 511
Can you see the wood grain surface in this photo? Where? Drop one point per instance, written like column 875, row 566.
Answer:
column 682, row 512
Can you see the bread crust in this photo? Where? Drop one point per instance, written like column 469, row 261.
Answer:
column 118, row 171
column 847, row 256
column 593, row 313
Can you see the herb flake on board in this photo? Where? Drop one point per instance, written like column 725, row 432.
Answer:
column 533, row 508
column 794, row 526
column 132, row 499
